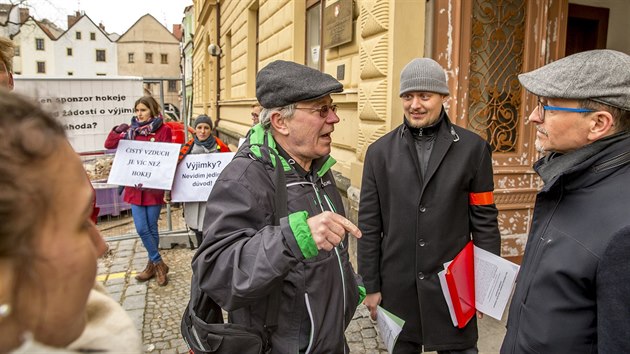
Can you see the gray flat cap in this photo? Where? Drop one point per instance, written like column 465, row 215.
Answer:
column 284, row 82
column 600, row 75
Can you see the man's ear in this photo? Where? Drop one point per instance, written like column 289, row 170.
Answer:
column 601, row 125
column 278, row 123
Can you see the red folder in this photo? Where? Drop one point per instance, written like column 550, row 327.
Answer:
column 460, row 277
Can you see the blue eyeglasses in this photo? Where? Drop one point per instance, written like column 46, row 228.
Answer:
column 542, row 108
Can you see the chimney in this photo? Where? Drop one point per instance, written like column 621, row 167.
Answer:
column 177, row 31
column 102, row 26
column 24, row 14
column 72, row 19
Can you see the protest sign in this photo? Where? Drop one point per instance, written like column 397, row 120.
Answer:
column 144, row 164
column 88, row 108
column 196, row 175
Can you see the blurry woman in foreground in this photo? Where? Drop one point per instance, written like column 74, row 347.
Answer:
column 48, row 244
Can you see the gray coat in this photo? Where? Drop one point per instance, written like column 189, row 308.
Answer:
column 244, row 258
column 412, row 224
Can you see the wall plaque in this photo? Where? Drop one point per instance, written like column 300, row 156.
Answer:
column 337, row 23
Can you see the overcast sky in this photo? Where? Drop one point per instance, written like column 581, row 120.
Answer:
column 116, row 15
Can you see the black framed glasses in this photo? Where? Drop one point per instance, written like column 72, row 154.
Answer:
column 542, row 108
column 323, row 110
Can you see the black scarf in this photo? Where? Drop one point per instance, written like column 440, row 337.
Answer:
column 210, row 144
column 554, row 164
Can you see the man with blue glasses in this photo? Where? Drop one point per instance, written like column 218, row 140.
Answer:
column 574, row 284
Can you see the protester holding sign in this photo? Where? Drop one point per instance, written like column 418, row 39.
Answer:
column 146, row 204
column 203, row 142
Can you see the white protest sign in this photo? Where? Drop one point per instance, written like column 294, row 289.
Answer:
column 144, row 164
column 88, row 108
column 196, row 175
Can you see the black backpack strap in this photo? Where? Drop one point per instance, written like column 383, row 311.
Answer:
column 281, row 210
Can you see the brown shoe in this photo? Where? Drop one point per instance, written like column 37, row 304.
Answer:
column 147, row 273
column 161, row 270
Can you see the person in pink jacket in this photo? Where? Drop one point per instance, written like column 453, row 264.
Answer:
column 146, row 204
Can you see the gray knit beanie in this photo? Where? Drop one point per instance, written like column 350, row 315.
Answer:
column 423, row 75
column 202, row 118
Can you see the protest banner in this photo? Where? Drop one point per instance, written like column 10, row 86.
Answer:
column 88, row 108
column 144, row 164
column 196, row 175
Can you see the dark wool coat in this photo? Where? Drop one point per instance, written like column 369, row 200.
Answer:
column 412, row 225
column 573, row 290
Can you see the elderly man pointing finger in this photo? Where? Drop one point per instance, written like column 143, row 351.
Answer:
column 246, row 257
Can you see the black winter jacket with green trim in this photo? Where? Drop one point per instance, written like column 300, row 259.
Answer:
column 244, row 258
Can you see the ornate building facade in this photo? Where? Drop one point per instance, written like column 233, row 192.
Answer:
column 483, row 44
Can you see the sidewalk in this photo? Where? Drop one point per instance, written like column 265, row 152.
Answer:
column 157, row 311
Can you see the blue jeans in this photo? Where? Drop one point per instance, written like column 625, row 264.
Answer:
column 146, row 220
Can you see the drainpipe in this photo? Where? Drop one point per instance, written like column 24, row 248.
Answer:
column 218, row 78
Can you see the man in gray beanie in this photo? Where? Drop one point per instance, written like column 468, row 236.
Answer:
column 255, row 253
column 427, row 190
column 574, row 284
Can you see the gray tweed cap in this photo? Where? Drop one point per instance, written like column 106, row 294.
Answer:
column 423, row 75
column 600, row 75
column 284, row 82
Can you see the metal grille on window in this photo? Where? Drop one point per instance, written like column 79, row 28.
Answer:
column 496, row 60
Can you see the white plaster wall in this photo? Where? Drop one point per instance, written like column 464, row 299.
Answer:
column 83, row 60
column 26, row 63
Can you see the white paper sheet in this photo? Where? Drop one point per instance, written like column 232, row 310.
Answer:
column 196, row 175
column 144, row 164
column 389, row 326
column 494, row 281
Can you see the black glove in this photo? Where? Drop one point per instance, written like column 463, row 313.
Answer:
column 121, row 128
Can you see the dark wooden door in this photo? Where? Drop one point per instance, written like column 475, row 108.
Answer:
column 587, row 28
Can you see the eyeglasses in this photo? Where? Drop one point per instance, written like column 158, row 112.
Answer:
column 323, row 110
column 542, row 108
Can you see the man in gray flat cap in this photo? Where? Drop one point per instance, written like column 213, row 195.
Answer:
column 253, row 251
column 573, row 290
column 427, row 190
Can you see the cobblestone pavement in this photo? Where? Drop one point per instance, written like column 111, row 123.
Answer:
column 157, row 311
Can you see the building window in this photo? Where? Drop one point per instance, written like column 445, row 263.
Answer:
column 100, row 55
column 39, row 43
column 164, row 58
column 92, row 36
column 17, row 51
column 78, row 35
column 130, row 58
column 496, row 59
column 70, row 73
column 41, row 67
column 69, row 52
column 148, row 58
column 101, row 74
column 172, row 85
column 314, row 34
